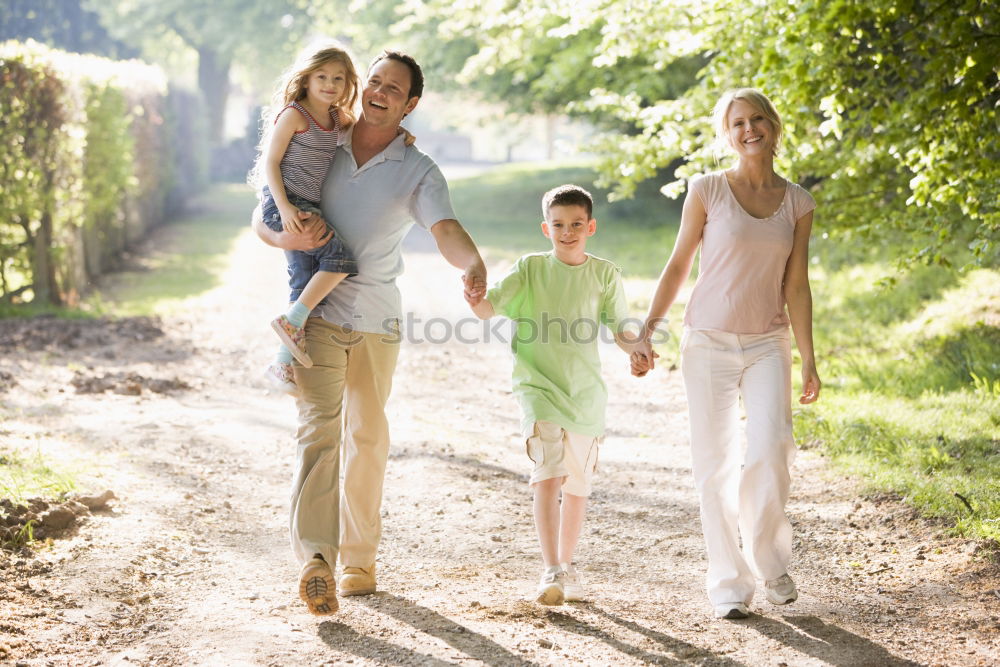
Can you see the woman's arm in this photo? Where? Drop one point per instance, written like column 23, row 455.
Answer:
column 798, row 296
column 678, row 267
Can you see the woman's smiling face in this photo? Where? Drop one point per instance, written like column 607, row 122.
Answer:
column 749, row 131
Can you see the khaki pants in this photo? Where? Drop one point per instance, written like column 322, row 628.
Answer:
column 345, row 392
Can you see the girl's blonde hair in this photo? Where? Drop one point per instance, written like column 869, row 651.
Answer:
column 754, row 98
column 292, row 88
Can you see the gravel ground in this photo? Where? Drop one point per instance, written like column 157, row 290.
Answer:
column 190, row 564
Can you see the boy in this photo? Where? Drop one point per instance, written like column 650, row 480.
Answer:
column 558, row 300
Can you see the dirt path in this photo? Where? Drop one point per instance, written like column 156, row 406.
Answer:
column 192, row 566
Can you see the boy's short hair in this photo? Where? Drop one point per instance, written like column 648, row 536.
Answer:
column 567, row 195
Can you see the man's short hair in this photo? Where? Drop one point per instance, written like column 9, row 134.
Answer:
column 416, row 74
column 567, row 195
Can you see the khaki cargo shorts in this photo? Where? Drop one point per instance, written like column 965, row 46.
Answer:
column 558, row 453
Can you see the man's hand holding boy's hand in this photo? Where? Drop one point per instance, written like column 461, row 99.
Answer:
column 474, row 283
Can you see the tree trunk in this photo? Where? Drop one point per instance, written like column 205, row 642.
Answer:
column 45, row 287
column 213, row 80
column 550, row 136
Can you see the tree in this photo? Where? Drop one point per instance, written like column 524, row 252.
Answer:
column 64, row 24
column 222, row 33
column 890, row 106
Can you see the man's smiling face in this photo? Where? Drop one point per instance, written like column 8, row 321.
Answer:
column 385, row 99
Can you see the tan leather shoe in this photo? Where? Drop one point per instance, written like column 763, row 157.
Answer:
column 358, row 581
column 317, row 587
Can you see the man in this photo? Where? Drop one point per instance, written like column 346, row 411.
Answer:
column 376, row 188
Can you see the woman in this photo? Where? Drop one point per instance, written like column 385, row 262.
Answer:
column 753, row 228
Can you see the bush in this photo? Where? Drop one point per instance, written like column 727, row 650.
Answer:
column 87, row 162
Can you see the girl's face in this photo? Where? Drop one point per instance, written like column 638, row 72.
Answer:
column 327, row 84
column 750, row 132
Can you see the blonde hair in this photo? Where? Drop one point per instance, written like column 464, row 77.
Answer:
column 754, row 98
column 292, row 87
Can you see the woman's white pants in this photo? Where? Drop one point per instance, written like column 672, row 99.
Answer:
column 741, row 494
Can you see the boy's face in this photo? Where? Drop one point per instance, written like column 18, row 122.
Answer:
column 569, row 227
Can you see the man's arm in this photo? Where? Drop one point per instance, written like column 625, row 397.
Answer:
column 456, row 246
column 315, row 232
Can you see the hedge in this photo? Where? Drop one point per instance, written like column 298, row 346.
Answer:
column 93, row 153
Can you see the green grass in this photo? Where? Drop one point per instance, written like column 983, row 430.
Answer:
column 191, row 260
column 35, row 310
column 188, row 259
column 24, row 476
column 502, row 210
column 911, row 401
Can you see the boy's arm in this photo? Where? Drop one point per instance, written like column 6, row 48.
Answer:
column 628, row 342
column 484, row 310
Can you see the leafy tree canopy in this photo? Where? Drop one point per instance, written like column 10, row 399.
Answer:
column 65, row 24
column 890, row 107
column 260, row 36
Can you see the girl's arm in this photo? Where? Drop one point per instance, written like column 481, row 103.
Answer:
column 284, row 127
column 678, row 267
column 798, row 296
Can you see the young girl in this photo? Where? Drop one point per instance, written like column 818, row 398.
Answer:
column 309, row 111
column 753, row 228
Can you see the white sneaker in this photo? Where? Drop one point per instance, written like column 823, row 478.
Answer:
column 731, row 610
column 572, row 583
column 550, row 586
column 781, row 590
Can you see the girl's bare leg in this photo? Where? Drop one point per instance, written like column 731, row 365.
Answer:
column 321, row 284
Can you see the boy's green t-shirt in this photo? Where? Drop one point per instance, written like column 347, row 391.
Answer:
column 558, row 309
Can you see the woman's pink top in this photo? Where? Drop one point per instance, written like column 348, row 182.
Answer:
column 742, row 260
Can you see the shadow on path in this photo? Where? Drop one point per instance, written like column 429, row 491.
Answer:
column 428, row 621
column 345, row 638
column 679, row 652
column 829, row 643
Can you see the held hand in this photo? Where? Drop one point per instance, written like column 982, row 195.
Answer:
column 314, row 233
column 645, row 349
column 410, row 139
column 641, row 363
column 810, row 386
column 474, row 284
column 290, row 220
